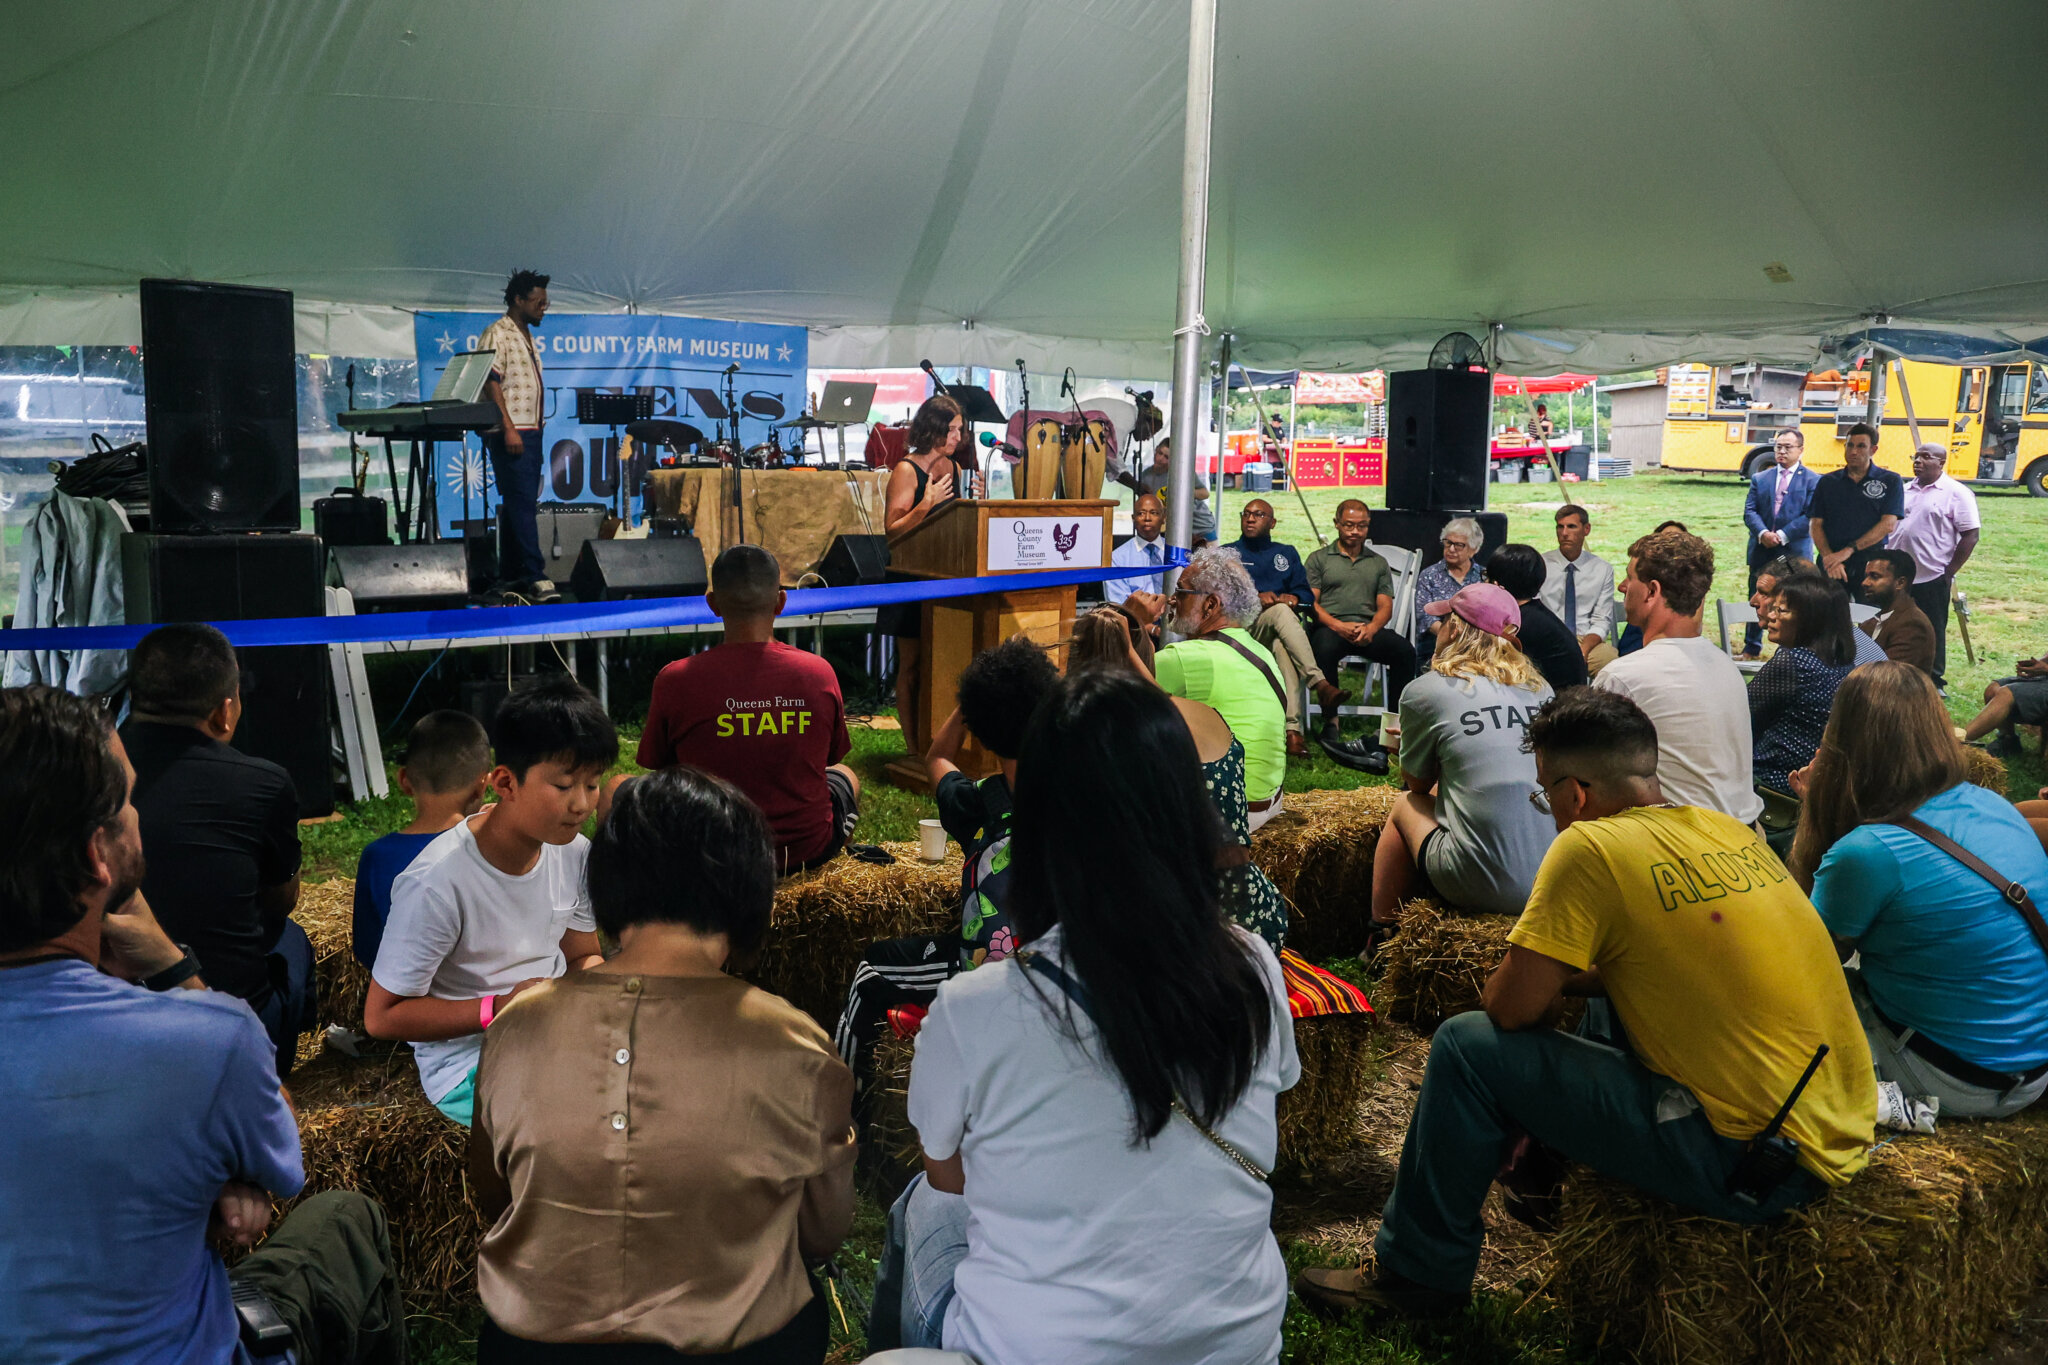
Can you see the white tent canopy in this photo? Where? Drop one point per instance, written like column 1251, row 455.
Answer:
column 979, row 180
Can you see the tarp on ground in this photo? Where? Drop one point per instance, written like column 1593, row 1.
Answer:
column 1617, row 183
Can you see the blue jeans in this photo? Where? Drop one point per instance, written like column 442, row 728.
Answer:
column 1596, row 1103
column 518, row 476
column 926, row 1241
column 291, row 1005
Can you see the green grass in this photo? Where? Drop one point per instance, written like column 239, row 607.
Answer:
column 2008, row 595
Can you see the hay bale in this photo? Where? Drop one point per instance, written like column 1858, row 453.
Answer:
column 1318, row 851
column 889, row 1154
column 1436, row 966
column 326, row 911
column 365, row 1125
column 1984, row 768
column 1319, row 1117
column 1918, row 1259
column 824, row 920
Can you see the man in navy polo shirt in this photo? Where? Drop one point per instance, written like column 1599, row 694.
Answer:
column 1854, row 508
column 1279, row 573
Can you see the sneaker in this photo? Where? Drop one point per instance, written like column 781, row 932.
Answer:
column 1384, row 1295
column 1903, row 1113
column 542, row 590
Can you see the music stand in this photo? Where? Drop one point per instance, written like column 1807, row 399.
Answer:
column 614, row 410
column 977, row 404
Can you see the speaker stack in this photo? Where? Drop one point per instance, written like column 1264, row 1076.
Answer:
column 220, row 397
column 241, row 578
column 1436, row 460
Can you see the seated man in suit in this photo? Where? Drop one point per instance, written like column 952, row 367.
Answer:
column 1776, row 517
column 1900, row 628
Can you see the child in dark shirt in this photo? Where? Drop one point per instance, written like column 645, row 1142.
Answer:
column 447, row 756
column 999, row 689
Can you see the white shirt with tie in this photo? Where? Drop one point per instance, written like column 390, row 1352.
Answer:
column 1587, row 585
column 1136, row 553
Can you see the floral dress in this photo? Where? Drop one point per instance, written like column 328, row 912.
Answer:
column 1248, row 895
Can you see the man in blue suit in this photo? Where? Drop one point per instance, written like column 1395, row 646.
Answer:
column 1776, row 517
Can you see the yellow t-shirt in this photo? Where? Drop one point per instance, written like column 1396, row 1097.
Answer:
column 1720, row 969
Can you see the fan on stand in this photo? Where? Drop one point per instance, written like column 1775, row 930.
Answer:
column 1458, row 351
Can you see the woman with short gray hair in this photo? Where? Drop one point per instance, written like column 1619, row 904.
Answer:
column 1462, row 541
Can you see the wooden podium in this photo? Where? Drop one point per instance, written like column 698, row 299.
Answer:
column 973, row 538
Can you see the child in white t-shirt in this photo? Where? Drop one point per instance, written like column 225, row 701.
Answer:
column 497, row 903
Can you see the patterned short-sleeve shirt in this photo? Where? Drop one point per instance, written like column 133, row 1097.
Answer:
column 518, row 370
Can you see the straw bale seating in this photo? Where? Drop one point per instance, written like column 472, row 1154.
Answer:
column 1319, row 851
column 1918, row 1259
column 365, row 1125
column 1436, row 966
column 326, row 911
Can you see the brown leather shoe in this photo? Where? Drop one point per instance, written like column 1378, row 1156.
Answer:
column 1329, row 696
column 1385, row 1295
column 1297, row 747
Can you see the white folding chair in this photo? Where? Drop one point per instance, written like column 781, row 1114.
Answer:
column 1735, row 614
column 1405, row 565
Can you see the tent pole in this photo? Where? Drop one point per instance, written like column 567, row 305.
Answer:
column 1188, row 326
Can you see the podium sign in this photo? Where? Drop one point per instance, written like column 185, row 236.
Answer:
column 1022, row 544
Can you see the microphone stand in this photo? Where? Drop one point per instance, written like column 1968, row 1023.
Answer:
column 1024, row 428
column 732, row 414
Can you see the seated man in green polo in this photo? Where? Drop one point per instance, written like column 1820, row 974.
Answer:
column 1725, row 984
column 1218, row 663
column 1353, row 591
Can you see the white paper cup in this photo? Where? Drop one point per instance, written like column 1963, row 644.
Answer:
column 931, row 841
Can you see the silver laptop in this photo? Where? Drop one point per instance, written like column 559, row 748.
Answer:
column 846, row 400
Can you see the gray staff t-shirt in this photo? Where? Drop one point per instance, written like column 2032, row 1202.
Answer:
column 1466, row 734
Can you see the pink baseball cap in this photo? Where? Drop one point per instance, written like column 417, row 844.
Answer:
column 1488, row 606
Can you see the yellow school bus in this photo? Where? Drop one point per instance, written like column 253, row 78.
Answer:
column 1993, row 418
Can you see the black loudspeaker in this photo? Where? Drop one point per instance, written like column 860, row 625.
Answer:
column 854, row 561
column 352, row 518
column 1423, row 532
column 401, row 577
column 1436, row 439
column 613, row 570
column 284, row 687
column 564, row 528
column 221, row 398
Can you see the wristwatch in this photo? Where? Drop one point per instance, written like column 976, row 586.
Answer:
column 177, row 974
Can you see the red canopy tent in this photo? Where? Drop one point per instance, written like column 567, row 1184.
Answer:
column 1506, row 384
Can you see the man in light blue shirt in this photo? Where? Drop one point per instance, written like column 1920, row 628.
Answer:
column 1146, row 548
column 142, row 1109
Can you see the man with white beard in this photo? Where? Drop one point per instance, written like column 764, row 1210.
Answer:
column 1220, row 664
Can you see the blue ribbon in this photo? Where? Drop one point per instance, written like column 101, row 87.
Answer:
column 566, row 618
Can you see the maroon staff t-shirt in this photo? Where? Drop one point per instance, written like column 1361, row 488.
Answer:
column 767, row 718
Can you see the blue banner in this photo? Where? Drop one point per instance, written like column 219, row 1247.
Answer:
column 681, row 362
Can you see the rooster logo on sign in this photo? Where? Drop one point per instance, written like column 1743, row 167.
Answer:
column 1064, row 541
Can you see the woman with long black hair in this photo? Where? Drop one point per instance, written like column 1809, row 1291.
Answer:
column 1102, row 1104
column 1790, row 696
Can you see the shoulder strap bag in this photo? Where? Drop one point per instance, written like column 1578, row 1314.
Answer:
column 1055, row 973
column 2013, row 893
column 1279, row 692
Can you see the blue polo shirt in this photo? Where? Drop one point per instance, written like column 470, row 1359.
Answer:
column 1942, row 951
column 125, row 1113
column 1274, row 566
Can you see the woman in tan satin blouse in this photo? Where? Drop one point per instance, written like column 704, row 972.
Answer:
column 662, row 1147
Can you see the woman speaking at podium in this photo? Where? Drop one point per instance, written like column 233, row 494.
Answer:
column 926, row 479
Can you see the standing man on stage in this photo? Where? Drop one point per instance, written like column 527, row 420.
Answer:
column 516, row 450
column 1940, row 531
